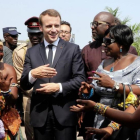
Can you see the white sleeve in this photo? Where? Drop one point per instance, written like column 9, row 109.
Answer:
column 31, row 78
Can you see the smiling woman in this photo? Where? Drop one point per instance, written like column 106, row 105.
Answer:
column 120, row 67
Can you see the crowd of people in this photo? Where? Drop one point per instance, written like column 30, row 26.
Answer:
column 43, row 79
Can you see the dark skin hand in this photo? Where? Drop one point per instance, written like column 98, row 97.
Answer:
column 103, row 132
column 83, row 105
column 104, row 80
column 121, row 117
column 7, row 77
column 80, row 118
column 85, row 88
column 106, row 132
column 4, row 84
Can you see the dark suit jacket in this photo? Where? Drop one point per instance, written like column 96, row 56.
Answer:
column 70, row 73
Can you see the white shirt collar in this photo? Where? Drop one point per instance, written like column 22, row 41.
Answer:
column 55, row 43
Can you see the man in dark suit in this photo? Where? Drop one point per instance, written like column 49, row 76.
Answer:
column 55, row 70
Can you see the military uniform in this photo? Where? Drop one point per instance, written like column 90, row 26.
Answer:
column 18, row 62
column 35, row 37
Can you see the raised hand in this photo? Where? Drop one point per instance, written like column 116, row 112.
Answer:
column 43, row 72
column 103, row 80
column 4, row 84
column 85, row 88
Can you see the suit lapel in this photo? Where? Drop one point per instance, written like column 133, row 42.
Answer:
column 58, row 52
column 42, row 50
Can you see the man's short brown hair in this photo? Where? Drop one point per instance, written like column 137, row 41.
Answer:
column 50, row 12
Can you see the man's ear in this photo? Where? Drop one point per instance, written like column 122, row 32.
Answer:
column 109, row 25
column 4, row 36
column 40, row 27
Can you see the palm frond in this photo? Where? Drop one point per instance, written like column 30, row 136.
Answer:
column 114, row 12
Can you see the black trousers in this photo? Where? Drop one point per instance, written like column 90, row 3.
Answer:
column 52, row 130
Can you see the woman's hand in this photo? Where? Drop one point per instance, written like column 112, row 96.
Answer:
column 80, row 118
column 83, row 105
column 104, row 133
column 4, row 85
column 85, row 88
column 103, row 80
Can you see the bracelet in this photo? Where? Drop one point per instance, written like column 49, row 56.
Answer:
column 85, row 96
column 116, row 86
column 14, row 85
column 136, row 103
column 114, row 125
column 100, row 108
column 5, row 92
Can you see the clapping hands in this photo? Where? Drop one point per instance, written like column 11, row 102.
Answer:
column 4, row 84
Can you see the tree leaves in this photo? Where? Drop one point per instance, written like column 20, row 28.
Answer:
column 135, row 28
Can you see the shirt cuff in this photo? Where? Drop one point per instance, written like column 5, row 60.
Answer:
column 60, row 89
column 31, row 78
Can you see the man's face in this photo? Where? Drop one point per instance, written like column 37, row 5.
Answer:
column 99, row 26
column 50, row 28
column 65, row 33
column 11, row 39
column 35, row 38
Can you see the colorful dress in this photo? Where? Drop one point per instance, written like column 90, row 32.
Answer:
column 129, row 75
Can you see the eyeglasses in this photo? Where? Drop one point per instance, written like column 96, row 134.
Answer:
column 64, row 32
column 108, row 41
column 13, row 36
column 96, row 23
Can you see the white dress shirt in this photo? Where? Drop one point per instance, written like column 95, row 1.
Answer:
column 53, row 48
column 31, row 78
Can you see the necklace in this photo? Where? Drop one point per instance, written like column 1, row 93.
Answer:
column 112, row 68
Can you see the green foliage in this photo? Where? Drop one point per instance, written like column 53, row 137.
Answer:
column 125, row 20
column 135, row 28
column 113, row 12
column 136, row 44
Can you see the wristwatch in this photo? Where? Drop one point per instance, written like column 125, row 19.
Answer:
column 116, row 86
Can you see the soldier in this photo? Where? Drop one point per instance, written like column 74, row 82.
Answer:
column 35, row 37
column 10, row 35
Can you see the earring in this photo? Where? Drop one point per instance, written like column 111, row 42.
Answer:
column 121, row 50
